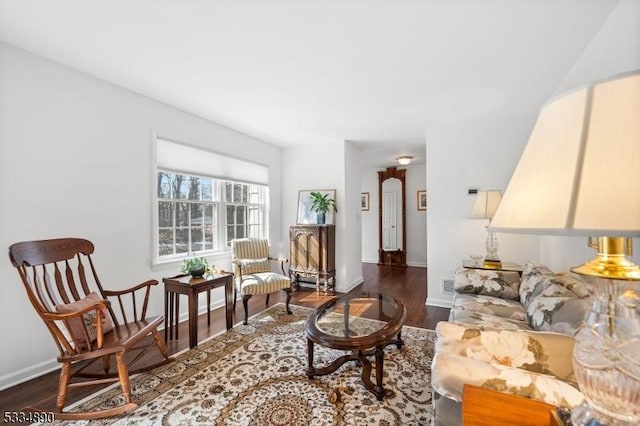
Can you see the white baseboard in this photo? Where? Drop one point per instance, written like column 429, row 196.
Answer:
column 416, row 264
column 441, row 303
column 26, row 374
column 339, row 288
column 353, row 285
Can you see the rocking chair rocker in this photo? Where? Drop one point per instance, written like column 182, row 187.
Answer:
column 63, row 287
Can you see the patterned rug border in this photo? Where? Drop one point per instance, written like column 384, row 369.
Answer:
column 193, row 361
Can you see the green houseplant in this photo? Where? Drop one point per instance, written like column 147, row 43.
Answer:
column 196, row 266
column 321, row 204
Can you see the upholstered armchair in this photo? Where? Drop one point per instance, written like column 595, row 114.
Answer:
column 254, row 274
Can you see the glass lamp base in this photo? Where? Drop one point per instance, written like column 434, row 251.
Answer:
column 491, row 244
column 606, row 357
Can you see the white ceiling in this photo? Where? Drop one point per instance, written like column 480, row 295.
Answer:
column 295, row 72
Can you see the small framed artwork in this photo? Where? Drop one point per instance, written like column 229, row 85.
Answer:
column 364, row 201
column 305, row 215
column 422, row 199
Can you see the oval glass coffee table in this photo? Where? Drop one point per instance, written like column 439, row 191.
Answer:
column 362, row 322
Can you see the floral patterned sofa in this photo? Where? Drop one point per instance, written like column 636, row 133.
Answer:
column 509, row 333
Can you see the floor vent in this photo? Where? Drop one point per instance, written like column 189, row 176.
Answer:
column 447, row 285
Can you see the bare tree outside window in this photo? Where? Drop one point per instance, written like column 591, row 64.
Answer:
column 189, row 213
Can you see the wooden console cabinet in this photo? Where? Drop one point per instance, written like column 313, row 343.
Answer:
column 312, row 255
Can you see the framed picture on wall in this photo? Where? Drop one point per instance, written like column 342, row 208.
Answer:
column 305, row 215
column 422, row 199
column 364, row 201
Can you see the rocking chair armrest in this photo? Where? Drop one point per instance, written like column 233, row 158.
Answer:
column 127, row 301
column 54, row 316
column 147, row 283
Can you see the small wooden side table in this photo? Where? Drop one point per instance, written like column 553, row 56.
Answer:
column 175, row 286
column 482, row 407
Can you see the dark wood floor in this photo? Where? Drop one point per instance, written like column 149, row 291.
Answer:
column 406, row 284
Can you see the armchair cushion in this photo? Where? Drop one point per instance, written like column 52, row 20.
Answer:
column 252, row 266
column 263, row 283
column 482, row 319
column 487, row 305
column 503, row 284
column 76, row 326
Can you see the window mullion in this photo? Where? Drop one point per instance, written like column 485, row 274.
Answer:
column 221, row 195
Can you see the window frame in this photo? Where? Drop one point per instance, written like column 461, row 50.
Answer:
column 219, row 203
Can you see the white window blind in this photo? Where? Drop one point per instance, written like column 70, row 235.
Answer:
column 179, row 157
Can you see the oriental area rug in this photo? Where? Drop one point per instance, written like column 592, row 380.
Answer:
column 254, row 375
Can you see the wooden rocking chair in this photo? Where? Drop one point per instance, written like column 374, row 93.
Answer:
column 63, row 287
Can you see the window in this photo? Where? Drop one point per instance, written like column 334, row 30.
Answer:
column 199, row 214
column 244, row 210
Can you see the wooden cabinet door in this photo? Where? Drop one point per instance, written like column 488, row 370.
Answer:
column 305, row 248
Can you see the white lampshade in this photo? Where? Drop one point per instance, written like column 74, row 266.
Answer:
column 486, row 204
column 580, row 171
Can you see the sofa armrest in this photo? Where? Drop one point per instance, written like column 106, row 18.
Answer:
column 450, row 372
column 538, row 352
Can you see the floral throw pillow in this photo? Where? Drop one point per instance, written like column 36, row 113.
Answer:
column 503, row 284
column 76, row 326
column 535, row 278
column 557, row 309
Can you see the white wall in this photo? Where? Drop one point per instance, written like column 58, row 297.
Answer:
column 416, row 219
column 614, row 49
column 76, row 160
column 352, row 216
column 482, row 156
column 324, row 167
column 369, row 240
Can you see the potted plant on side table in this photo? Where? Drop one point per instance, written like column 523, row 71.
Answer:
column 321, row 204
column 196, row 266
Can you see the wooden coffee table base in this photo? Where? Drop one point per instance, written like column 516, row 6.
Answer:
column 361, row 357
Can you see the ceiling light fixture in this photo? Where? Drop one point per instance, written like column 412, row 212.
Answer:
column 404, row 159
